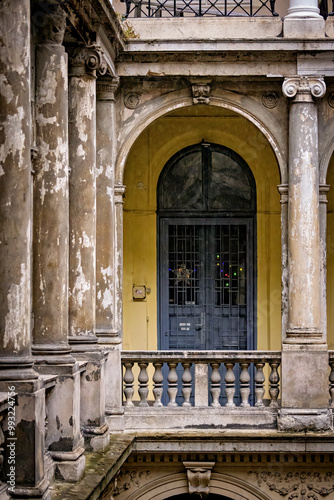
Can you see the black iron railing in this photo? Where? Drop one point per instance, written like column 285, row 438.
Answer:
column 199, row 8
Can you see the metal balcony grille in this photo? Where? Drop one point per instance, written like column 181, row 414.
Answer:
column 199, row 8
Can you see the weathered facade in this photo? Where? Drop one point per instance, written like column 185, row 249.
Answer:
column 166, row 250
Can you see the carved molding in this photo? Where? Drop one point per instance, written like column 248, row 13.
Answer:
column 87, row 60
column 201, row 91
column 107, row 88
column 270, row 99
column 297, row 485
column 303, row 88
column 199, row 475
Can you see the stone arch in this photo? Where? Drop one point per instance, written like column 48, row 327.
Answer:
column 160, row 106
column 172, row 485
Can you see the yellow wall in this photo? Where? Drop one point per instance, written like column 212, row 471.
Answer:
column 161, row 140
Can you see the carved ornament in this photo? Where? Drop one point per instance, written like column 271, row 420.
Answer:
column 132, row 100
column 106, row 88
column 87, row 60
column 199, row 475
column 50, row 23
column 201, row 91
column 303, row 88
column 298, row 485
column 127, row 480
column 270, row 99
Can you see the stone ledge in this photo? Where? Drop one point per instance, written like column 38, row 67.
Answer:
column 249, row 28
column 296, row 420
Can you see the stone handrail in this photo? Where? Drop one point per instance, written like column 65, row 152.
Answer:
column 202, row 380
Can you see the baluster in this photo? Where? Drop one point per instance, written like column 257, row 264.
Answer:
column 229, row 385
column 186, row 387
column 143, row 384
column 128, row 381
column 331, row 381
column 244, row 385
column 158, row 380
column 274, row 381
column 215, row 385
column 172, row 384
column 259, row 381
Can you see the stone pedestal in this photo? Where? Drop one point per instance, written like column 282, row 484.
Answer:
column 24, row 440
column 114, row 394
column 64, row 440
column 92, row 404
column 51, row 225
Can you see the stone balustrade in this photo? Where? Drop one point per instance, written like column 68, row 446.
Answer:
column 200, row 378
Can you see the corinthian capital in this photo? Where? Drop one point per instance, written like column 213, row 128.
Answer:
column 87, row 60
column 304, row 88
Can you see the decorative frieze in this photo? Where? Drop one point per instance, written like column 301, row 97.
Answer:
column 300, row 485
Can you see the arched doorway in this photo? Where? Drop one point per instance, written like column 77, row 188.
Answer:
column 206, row 201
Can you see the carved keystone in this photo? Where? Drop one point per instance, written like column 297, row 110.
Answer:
column 201, row 91
column 199, row 475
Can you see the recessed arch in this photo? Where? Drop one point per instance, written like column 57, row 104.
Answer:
column 144, row 116
column 172, row 485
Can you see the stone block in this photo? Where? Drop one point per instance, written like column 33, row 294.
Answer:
column 304, row 375
column 305, row 29
column 71, row 470
column 304, row 420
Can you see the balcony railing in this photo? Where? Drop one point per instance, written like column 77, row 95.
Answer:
column 199, row 8
column 200, row 378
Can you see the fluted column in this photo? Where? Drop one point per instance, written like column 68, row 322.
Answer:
column 304, row 323
column 84, row 61
column 51, row 217
column 15, row 192
column 119, row 195
column 105, row 228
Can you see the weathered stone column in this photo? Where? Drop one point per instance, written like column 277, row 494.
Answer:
column 15, row 189
column 84, row 61
column 284, row 191
column 119, row 195
column 304, row 356
column 51, row 219
column 105, row 227
column 25, row 391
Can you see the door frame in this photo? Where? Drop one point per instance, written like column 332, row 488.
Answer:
column 163, row 221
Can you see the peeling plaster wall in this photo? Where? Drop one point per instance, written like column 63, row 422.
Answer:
column 148, row 156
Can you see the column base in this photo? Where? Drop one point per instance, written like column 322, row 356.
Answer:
column 70, row 465
column 304, row 420
column 14, row 368
column 40, row 492
column 82, row 339
column 49, row 467
column 96, row 438
column 106, row 336
column 309, row 26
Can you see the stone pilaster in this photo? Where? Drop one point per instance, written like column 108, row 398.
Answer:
column 84, row 62
column 105, row 228
column 119, row 195
column 284, row 192
column 304, row 356
column 15, row 192
column 51, row 219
